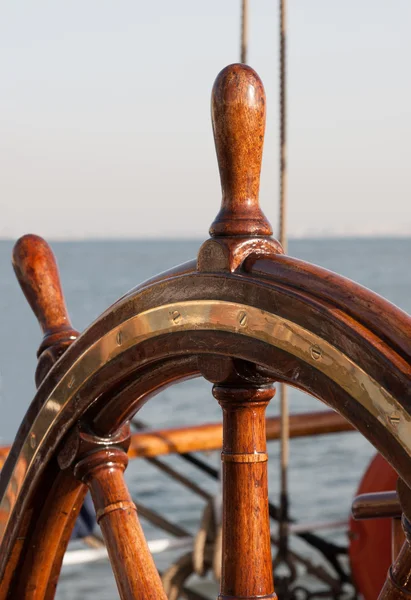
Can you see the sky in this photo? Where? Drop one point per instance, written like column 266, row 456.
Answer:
column 105, row 125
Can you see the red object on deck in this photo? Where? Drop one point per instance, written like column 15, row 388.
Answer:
column 370, row 540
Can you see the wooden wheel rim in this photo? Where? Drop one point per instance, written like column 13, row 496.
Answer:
column 184, row 323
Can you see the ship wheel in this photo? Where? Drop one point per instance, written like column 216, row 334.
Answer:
column 244, row 316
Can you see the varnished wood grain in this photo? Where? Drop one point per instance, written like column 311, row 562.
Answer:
column 130, row 558
column 247, row 562
column 377, row 314
column 53, row 526
column 371, row 355
column 397, row 538
column 36, row 269
column 100, row 464
column 378, row 505
column 398, row 583
column 238, row 108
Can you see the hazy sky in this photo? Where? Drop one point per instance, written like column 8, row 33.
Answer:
column 105, row 121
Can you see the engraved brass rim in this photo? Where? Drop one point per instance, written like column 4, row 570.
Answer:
column 203, row 315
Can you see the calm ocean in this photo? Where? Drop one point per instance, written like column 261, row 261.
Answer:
column 324, row 472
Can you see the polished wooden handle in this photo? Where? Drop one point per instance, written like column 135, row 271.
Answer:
column 378, row 505
column 36, row 270
column 238, row 115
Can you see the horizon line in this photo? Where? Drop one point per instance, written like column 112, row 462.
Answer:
column 308, row 236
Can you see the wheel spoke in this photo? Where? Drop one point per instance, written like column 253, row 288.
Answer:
column 100, row 464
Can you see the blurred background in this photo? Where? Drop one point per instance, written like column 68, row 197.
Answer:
column 106, row 150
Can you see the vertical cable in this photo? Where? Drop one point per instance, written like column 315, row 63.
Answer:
column 283, row 125
column 244, row 31
column 285, row 433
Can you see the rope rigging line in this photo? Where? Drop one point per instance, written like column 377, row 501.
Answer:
column 283, row 556
column 283, row 124
column 244, row 31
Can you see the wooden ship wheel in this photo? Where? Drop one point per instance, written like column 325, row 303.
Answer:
column 244, row 316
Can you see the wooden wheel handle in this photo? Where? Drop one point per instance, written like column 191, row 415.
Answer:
column 36, row 269
column 238, row 115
